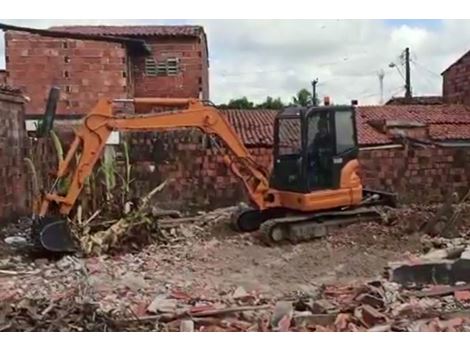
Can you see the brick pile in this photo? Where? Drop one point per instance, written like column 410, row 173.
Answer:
column 13, row 200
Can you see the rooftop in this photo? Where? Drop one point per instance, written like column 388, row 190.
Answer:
column 419, row 100
column 444, row 122
column 133, row 31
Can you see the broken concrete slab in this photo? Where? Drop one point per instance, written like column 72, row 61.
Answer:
column 423, row 273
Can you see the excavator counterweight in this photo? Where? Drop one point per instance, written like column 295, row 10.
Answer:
column 314, row 179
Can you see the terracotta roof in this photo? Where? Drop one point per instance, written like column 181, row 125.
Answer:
column 133, row 31
column 255, row 127
column 420, row 100
column 445, row 122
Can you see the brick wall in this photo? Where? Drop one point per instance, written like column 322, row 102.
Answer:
column 196, row 173
column 191, row 82
column 13, row 200
column 3, row 77
column 456, row 82
column 417, row 174
column 199, row 177
column 84, row 70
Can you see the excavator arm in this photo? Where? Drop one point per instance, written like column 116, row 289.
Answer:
column 90, row 140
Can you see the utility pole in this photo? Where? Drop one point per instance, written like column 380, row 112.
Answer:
column 381, row 75
column 407, row 74
column 314, row 92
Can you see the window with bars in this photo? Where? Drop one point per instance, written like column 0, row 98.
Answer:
column 165, row 67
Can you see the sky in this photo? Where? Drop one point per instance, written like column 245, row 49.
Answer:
column 260, row 58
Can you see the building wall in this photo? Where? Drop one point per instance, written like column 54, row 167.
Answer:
column 84, row 70
column 191, row 82
column 198, row 177
column 87, row 70
column 456, row 82
column 3, row 77
column 13, row 200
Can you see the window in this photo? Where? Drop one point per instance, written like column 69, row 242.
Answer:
column 66, row 74
column 66, row 59
column 165, row 67
column 150, row 67
column 289, row 136
column 172, row 66
column 344, row 131
column 65, row 45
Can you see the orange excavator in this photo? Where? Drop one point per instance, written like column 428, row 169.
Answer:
column 314, row 183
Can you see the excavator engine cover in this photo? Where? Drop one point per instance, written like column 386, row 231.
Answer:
column 54, row 235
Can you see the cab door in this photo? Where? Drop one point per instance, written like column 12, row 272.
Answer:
column 331, row 143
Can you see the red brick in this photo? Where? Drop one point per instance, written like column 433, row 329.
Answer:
column 462, row 296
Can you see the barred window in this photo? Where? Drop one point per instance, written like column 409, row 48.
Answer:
column 165, row 67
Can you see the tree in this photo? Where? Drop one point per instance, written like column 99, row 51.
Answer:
column 240, row 103
column 303, row 97
column 270, row 103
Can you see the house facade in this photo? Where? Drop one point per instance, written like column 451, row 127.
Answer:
column 176, row 64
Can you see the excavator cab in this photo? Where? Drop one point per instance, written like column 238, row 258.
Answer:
column 311, row 147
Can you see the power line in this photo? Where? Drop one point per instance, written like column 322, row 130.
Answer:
column 417, row 64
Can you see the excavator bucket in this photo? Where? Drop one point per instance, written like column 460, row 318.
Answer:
column 54, row 235
column 51, row 233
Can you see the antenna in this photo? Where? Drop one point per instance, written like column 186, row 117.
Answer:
column 381, row 75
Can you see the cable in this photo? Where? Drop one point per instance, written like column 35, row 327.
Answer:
column 417, row 64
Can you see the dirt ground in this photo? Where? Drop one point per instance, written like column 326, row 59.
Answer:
column 204, row 262
column 231, row 259
column 223, row 259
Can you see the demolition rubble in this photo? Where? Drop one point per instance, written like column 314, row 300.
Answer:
column 195, row 274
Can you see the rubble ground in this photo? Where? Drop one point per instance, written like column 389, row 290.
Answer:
column 204, row 269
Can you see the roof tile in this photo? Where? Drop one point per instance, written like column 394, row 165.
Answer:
column 133, row 31
column 446, row 122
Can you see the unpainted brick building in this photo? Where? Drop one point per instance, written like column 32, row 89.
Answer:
column 175, row 64
column 456, row 81
column 13, row 199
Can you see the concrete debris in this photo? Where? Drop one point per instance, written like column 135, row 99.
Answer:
column 162, row 304
column 187, row 326
column 16, row 241
column 196, row 275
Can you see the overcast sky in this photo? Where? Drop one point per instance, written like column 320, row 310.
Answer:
column 257, row 58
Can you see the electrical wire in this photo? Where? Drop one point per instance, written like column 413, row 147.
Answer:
column 417, row 64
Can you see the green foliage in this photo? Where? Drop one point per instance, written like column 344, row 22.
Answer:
column 240, row 103
column 108, row 170
column 270, row 103
column 303, row 98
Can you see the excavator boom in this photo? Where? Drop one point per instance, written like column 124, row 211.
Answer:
column 90, row 140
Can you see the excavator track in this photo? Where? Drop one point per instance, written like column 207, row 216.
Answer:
column 303, row 228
